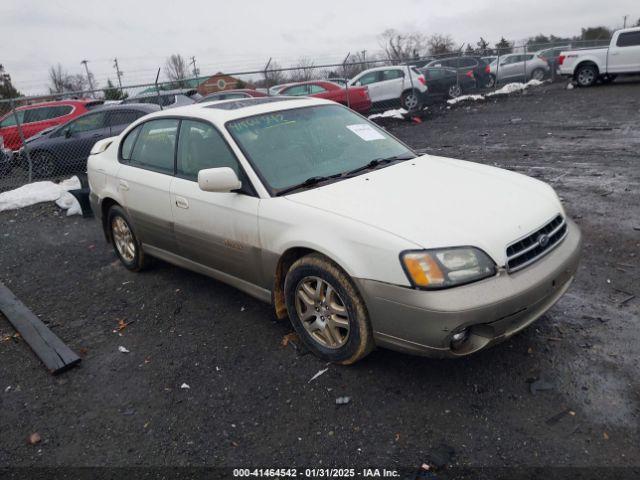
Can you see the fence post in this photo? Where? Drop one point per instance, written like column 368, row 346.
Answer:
column 525, row 63
column 25, row 148
column 346, row 84
column 266, row 76
column 413, row 91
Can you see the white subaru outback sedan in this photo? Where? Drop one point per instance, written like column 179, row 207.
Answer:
column 344, row 229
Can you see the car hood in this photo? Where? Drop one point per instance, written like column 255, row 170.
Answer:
column 441, row 202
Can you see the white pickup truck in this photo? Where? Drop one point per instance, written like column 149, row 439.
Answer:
column 621, row 57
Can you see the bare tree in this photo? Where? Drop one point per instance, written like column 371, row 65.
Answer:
column 304, row 70
column 440, row 44
column 399, row 47
column 61, row 81
column 274, row 76
column 355, row 64
column 176, row 70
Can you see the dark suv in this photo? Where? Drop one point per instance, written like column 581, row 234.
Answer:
column 466, row 65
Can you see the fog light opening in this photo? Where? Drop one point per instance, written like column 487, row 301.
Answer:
column 458, row 339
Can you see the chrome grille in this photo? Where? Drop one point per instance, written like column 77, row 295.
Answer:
column 529, row 249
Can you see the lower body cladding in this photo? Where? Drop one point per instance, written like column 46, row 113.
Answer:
column 462, row 320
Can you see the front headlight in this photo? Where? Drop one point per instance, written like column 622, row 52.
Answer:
column 446, row 267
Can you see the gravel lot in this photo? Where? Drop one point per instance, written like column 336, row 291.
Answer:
column 250, row 401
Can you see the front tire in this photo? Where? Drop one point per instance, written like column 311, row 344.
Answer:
column 125, row 244
column 586, row 75
column 327, row 311
column 411, row 100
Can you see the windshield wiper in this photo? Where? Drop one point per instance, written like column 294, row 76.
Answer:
column 309, row 182
column 373, row 164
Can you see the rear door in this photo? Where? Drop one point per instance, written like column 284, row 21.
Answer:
column 118, row 120
column 624, row 54
column 392, row 84
column 145, row 176
column 372, row 80
column 215, row 229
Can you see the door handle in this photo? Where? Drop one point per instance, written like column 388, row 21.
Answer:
column 124, row 186
column 182, row 203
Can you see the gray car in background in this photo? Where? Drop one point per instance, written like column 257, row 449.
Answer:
column 167, row 98
column 65, row 148
column 519, row 67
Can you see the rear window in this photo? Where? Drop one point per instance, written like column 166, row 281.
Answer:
column 10, row 120
column 628, row 39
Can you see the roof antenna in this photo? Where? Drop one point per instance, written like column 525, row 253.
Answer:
column 158, row 89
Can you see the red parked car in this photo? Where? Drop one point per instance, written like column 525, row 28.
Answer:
column 359, row 99
column 39, row 116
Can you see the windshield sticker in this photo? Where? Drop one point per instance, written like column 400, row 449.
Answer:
column 366, row 132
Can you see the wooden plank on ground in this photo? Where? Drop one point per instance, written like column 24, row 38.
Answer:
column 47, row 346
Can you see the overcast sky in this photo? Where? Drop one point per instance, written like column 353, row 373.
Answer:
column 235, row 36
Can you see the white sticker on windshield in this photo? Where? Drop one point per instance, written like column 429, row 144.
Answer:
column 366, row 132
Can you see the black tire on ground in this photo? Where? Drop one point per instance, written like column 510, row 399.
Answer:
column 411, row 100
column 586, row 75
column 538, row 74
column 357, row 341
column 134, row 258
column 43, row 165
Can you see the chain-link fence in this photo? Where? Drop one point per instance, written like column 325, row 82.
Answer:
column 51, row 136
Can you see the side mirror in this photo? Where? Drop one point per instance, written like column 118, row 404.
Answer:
column 67, row 132
column 222, row 179
column 358, row 83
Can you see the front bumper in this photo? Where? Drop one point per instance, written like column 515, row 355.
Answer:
column 422, row 322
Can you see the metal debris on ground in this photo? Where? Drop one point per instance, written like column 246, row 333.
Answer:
column 122, row 349
column 184, row 386
column 317, row 375
column 342, row 400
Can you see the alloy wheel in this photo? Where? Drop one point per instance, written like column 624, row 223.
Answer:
column 123, row 239
column 322, row 312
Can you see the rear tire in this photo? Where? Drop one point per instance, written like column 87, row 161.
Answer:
column 125, row 244
column 411, row 100
column 586, row 75
column 455, row 90
column 538, row 74
column 327, row 311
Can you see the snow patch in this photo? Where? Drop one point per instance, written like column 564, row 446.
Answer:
column 506, row 90
column 394, row 113
column 464, row 98
column 47, row 191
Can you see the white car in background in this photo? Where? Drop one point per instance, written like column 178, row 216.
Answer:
column 306, row 205
column 390, row 85
column 519, row 66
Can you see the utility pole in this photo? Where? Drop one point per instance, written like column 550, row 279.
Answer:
column 86, row 67
column 196, row 72
column 118, row 72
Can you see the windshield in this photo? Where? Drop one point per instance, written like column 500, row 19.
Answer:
column 288, row 147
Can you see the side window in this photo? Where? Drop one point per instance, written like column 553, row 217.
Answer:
column 155, row 146
column 10, row 120
column 60, row 111
column 316, row 89
column 468, row 62
column 369, row 78
column 201, row 146
column 392, row 74
column 435, row 73
column 628, row 39
column 87, row 123
column 124, row 117
column 129, row 141
column 37, row 114
column 296, row 90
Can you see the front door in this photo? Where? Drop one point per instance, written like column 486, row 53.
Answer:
column 218, row 230
column 624, row 56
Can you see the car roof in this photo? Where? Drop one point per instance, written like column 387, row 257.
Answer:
column 146, row 107
column 54, row 103
column 220, row 112
column 387, row 67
